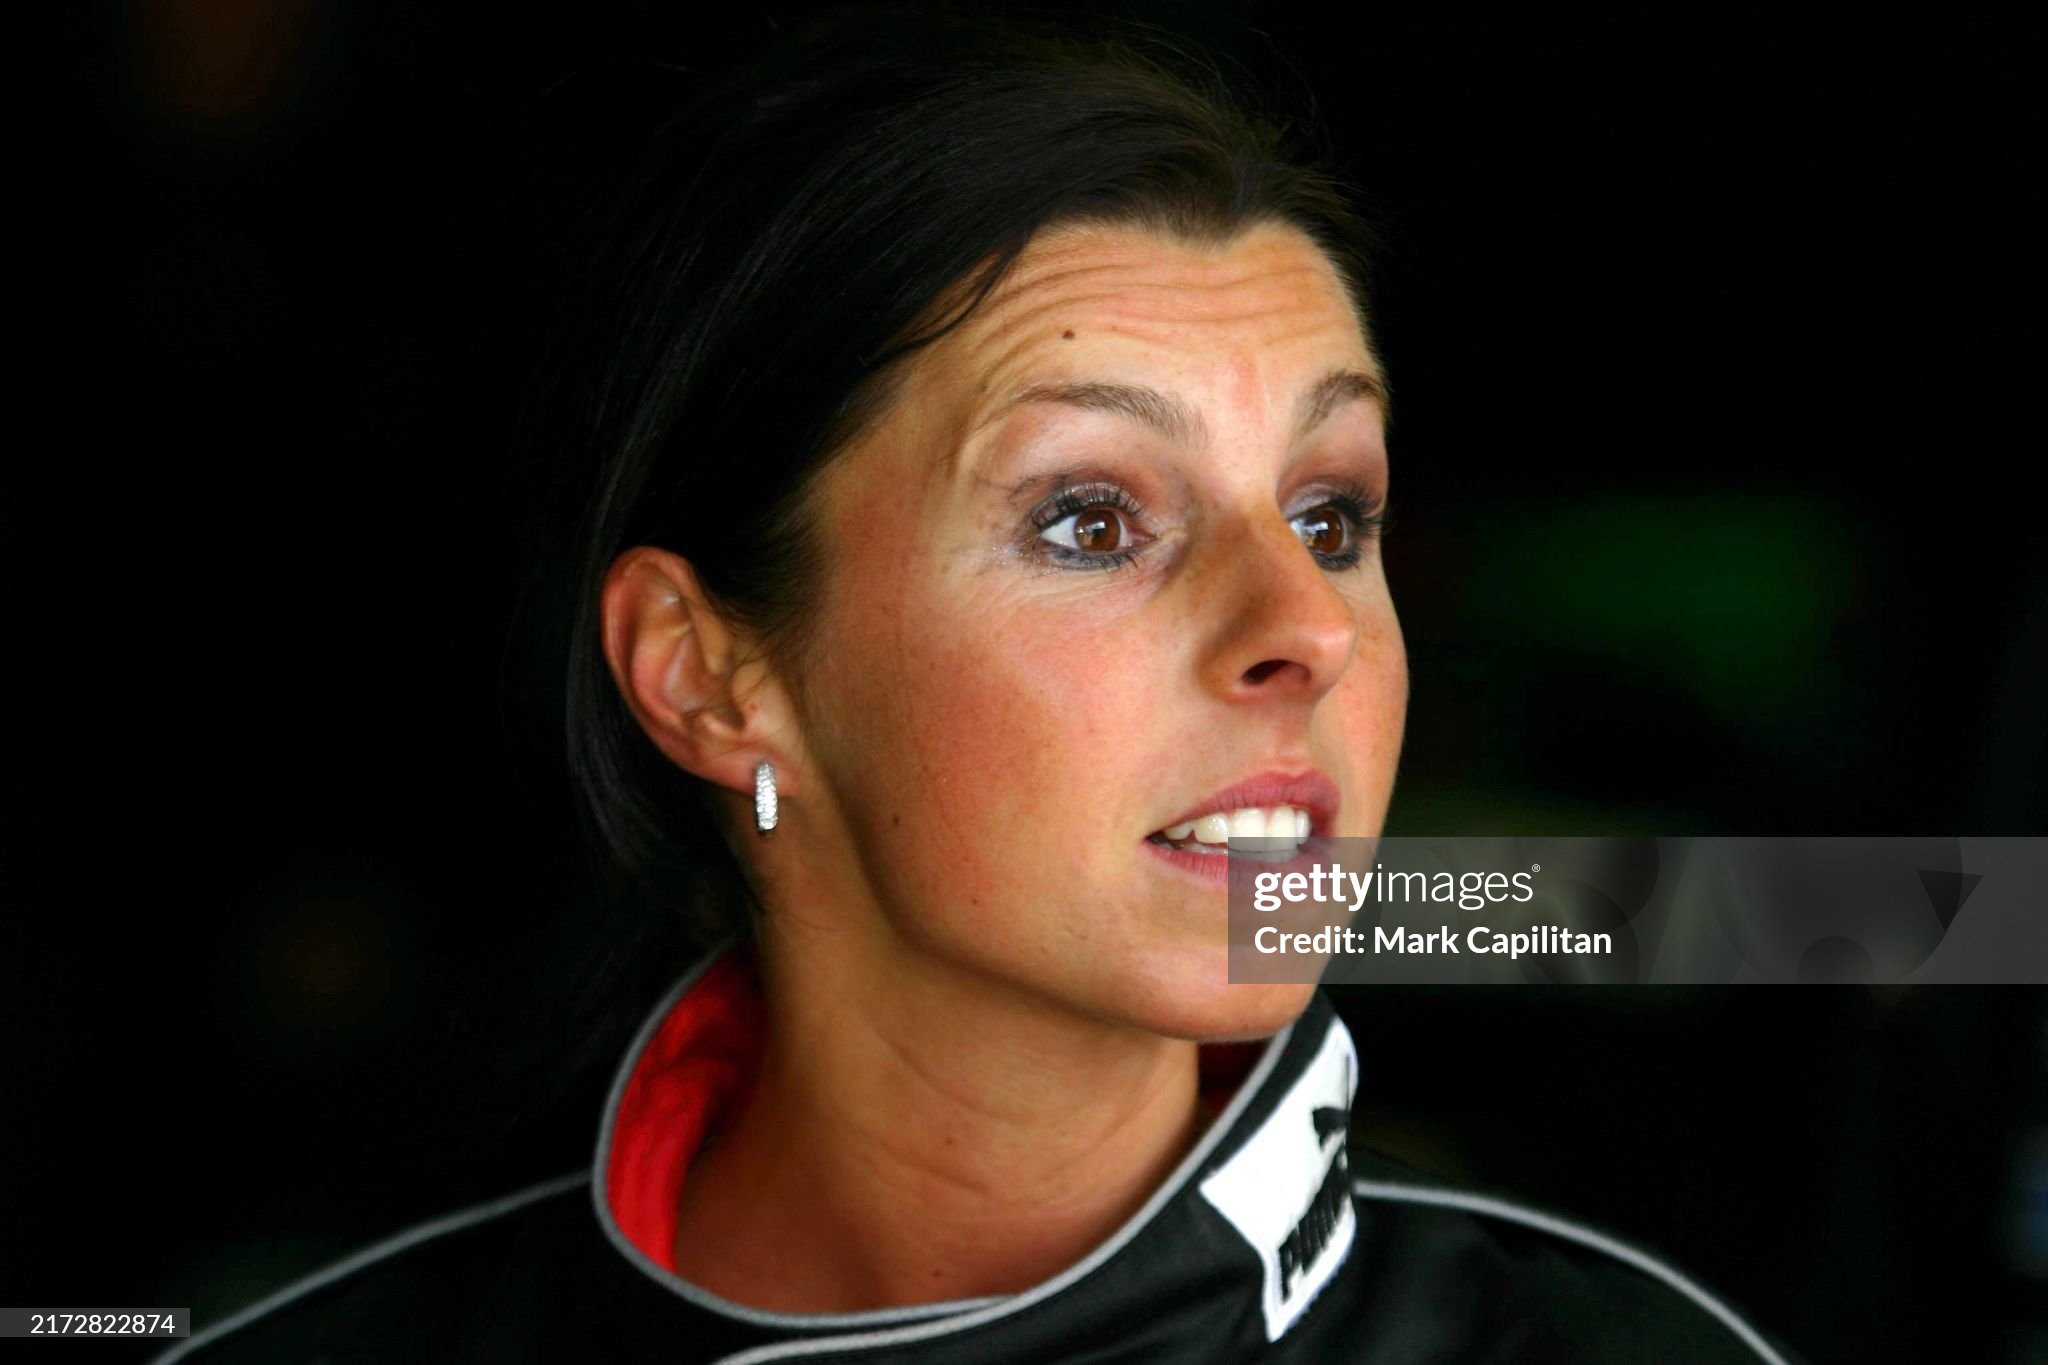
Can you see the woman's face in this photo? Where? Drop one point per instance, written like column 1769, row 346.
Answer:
column 1093, row 571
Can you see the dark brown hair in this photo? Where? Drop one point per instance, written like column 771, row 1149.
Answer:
column 795, row 231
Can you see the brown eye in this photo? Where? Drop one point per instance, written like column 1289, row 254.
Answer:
column 1322, row 530
column 1098, row 530
column 1092, row 527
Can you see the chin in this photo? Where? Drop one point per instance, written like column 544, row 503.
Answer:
column 1211, row 1013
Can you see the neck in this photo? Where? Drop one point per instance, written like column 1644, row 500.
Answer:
column 919, row 1133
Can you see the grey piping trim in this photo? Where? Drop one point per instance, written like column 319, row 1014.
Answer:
column 390, row 1246
column 668, row 1279
column 1252, row 1085
column 1573, row 1232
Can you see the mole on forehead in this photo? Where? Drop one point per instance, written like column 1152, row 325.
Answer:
column 995, row 360
column 1041, row 312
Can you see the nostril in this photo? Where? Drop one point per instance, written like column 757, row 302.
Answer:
column 1258, row 673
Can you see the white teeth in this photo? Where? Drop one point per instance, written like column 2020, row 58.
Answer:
column 1219, row 827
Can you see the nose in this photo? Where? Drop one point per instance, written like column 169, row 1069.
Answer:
column 1285, row 630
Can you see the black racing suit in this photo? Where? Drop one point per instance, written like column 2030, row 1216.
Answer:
column 1272, row 1241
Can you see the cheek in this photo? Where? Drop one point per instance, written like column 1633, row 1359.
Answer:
column 983, row 739
column 1378, row 676
column 1372, row 700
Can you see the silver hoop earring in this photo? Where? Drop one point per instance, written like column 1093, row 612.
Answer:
column 764, row 797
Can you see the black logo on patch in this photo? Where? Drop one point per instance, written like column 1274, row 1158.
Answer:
column 1312, row 1234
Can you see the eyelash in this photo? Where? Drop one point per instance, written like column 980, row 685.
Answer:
column 1367, row 512
column 1364, row 509
column 1069, row 502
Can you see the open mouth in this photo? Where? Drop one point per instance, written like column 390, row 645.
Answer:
column 1271, row 833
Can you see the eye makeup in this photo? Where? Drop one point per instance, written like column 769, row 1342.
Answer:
column 1366, row 512
column 1076, row 500
column 1361, row 511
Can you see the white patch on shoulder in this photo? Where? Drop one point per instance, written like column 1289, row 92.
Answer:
column 1287, row 1190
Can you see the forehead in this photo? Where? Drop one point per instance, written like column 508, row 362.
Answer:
column 1251, row 315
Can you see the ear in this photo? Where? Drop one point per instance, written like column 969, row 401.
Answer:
column 685, row 675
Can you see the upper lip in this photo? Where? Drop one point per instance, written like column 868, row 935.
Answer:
column 1310, row 791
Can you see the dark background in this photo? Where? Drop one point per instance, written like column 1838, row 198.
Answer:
column 1716, row 346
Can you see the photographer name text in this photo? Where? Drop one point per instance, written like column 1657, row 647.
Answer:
column 1472, row 891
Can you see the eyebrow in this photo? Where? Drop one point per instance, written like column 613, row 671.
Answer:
column 1172, row 417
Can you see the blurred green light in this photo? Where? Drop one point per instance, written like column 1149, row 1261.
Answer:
column 1736, row 598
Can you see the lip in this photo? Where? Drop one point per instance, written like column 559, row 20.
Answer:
column 1310, row 790
column 1214, row 869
